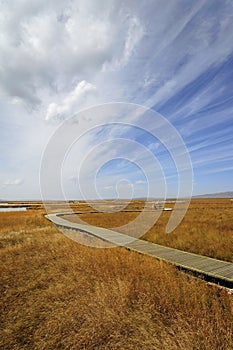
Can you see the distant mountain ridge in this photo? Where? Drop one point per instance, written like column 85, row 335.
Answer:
column 228, row 194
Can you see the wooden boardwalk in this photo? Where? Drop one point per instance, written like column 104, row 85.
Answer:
column 214, row 270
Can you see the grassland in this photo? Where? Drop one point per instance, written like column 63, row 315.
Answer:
column 206, row 229
column 57, row 294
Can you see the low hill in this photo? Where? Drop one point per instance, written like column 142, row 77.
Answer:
column 228, row 194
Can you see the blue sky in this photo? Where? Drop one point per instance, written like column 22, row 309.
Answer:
column 60, row 59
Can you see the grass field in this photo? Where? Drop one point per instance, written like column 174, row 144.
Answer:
column 57, row 294
column 206, row 229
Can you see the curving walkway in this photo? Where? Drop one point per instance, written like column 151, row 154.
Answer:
column 217, row 271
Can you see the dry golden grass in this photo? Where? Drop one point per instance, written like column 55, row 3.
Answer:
column 206, row 229
column 57, row 294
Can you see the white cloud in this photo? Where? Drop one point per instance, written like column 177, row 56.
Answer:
column 108, row 187
column 74, row 98
column 12, row 182
column 134, row 35
column 47, row 47
column 153, row 146
column 140, row 182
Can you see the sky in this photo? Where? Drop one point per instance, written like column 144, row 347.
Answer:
column 115, row 99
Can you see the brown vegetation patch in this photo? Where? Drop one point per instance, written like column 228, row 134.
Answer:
column 57, row 294
column 206, row 229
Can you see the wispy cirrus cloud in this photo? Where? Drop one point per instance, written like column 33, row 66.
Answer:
column 58, row 57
